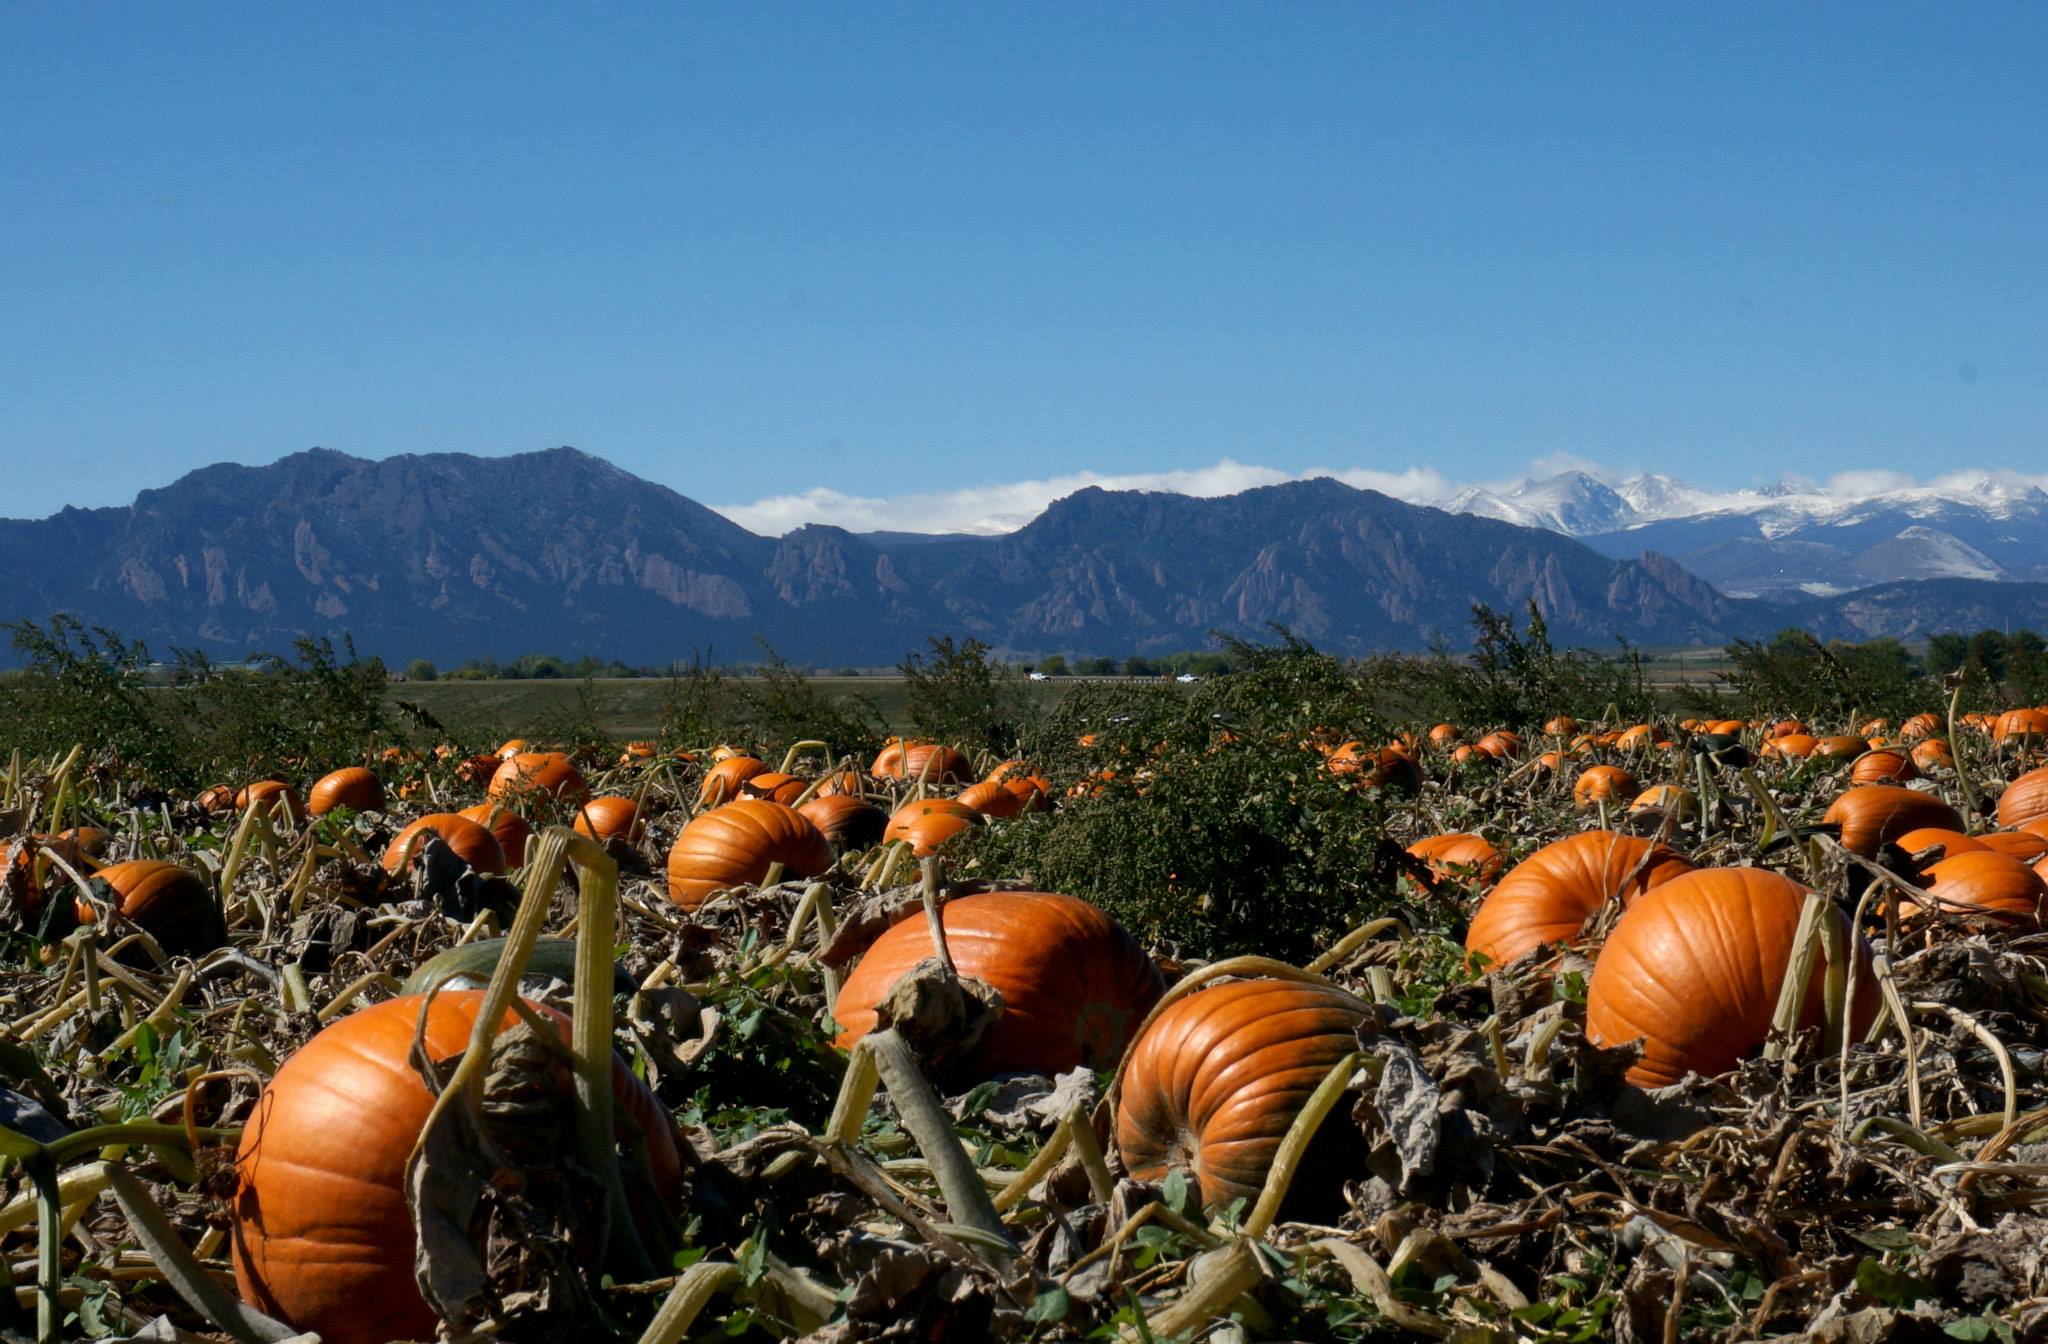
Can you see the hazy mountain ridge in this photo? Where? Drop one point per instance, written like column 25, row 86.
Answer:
column 447, row 556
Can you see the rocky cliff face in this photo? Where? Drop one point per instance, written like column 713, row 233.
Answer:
column 447, row 556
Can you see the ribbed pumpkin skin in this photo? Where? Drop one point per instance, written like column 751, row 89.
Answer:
column 1604, row 784
column 174, row 904
column 1871, row 814
column 1920, row 725
column 928, row 823
column 733, row 846
column 722, row 781
column 847, row 820
column 506, row 826
column 1216, row 1080
column 1680, row 802
column 269, row 793
column 1693, row 970
column 1074, row 984
column 323, row 1236
column 1951, row 842
column 18, row 855
column 609, row 817
column 775, row 786
column 1883, row 767
column 472, row 844
column 991, row 799
column 2025, row 846
column 351, row 787
column 2024, row 800
column 1987, row 883
column 1933, row 754
column 1549, row 896
column 2021, row 727
column 921, row 760
column 1458, row 855
column 1797, row 746
column 1842, row 748
column 536, row 772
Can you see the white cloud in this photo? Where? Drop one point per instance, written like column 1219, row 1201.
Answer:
column 1007, row 506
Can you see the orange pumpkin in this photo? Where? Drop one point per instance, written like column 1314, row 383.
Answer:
column 506, row 826
column 1883, row 767
column 174, row 905
column 1549, row 896
column 2021, row 728
column 1951, row 842
column 927, row 761
column 21, row 860
column 990, row 799
column 1871, row 814
column 477, row 770
column 1459, row 856
column 472, row 844
column 1919, row 726
column 1693, row 969
column 1846, row 747
column 323, row 1235
column 929, row 823
column 2024, row 800
column 219, row 798
column 1786, row 728
column 1074, row 984
column 735, row 845
column 610, row 817
column 269, row 795
column 1444, row 734
column 722, row 781
column 1678, row 801
column 1792, row 746
column 1216, row 1080
column 1564, row 725
column 1987, row 884
column 847, row 820
column 533, row 773
column 1603, row 784
column 351, row 787
column 1933, row 754
column 512, row 748
column 775, row 786
column 2025, row 846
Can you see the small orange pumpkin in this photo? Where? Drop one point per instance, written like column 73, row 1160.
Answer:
column 1459, row 856
column 351, row 787
column 532, row 773
column 610, row 817
column 1549, row 896
column 1871, row 814
column 472, row 844
column 174, row 905
column 736, row 844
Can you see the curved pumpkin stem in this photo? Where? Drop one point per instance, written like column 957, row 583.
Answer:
column 1294, row 1148
column 692, row 1293
column 1356, row 939
column 797, row 749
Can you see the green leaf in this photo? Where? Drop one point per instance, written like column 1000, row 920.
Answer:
column 1050, row 1305
column 1885, row 1238
column 1887, row 1286
column 1976, row 1327
column 1175, row 1190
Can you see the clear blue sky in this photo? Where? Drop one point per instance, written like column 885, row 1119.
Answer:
column 878, row 248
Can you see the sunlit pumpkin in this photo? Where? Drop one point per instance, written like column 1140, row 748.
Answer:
column 323, row 1235
column 1883, row 767
column 723, row 780
column 1792, row 746
column 1216, row 1080
column 472, row 844
column 351, row 787
column 1074, row 984
column 1603, row 784
column 1932, row 753
column 1924, row 837
column 774, row 786
column 1984, row 884
column 1871, row 814
column 506, row 826
column 610, row 817
column 990, row 799
column 735, row 845
column 847, row 820
column 1919, row 726
column 530, row 774
column 2025, row 846
column 269, row 796
column 2024, row 800
column 1550, row 896
column 1693, row 969
column 927, row 761
column 173, row 904
column 2021, row 728
column 1680, row 802
column 929, row 823
column 1459, row 856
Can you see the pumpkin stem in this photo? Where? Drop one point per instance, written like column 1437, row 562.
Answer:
column 928, row 892
column 1294, row 1148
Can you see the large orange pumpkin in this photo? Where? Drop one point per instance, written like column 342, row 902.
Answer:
column 2024, row 800
column 1549, row 896
column 1985, row 883
column 847, row 820
column 324, row 1238
column 734, row 846
column 929, row 823
column 1603, row 784
column 1951, row 842
column 351, row 787
column 609, row 817
column 1458, row 856
column 1074, row 984
column 1933, row 753
column 1218, row 1078
column 1791, row 746
column 1693, row 970
column 722, row 781
column 776, row 786
column 2026, row 846
column 1919, row 726
column 174, row 905
column 1871, row 814
column 508, row 827
column 1883, row 767
column 268, row 794
column 531, row 773
column 2021, row 728
column 991, row 799
column 1845, row 747
column 928, row 761
column 472, row 844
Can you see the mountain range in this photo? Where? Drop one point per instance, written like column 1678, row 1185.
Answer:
column 449, row 556
column 1787, row 543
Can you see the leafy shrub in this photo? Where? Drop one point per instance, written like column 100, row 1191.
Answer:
column 959, row 695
